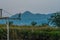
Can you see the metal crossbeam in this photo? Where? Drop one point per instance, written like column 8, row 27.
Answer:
column 11, row 18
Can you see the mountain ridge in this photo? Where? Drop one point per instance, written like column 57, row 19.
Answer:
column 27, row 17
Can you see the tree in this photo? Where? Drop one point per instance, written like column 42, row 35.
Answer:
column 55, row 19
column 33, row 23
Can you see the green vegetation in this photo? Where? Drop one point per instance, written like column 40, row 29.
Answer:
column 30, row 33
column 3, row 34
column 55, row 19
column 33, row 23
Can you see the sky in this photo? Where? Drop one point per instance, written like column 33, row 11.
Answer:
column 35, row 6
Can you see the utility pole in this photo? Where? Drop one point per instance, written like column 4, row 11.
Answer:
column 7, row 21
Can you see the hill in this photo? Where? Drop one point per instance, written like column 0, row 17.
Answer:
column 27, row 17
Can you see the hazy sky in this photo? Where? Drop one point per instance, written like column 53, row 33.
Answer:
column 35, row 6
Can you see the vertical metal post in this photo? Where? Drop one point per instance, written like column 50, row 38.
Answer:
column 7, row 29
column 0, row 13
